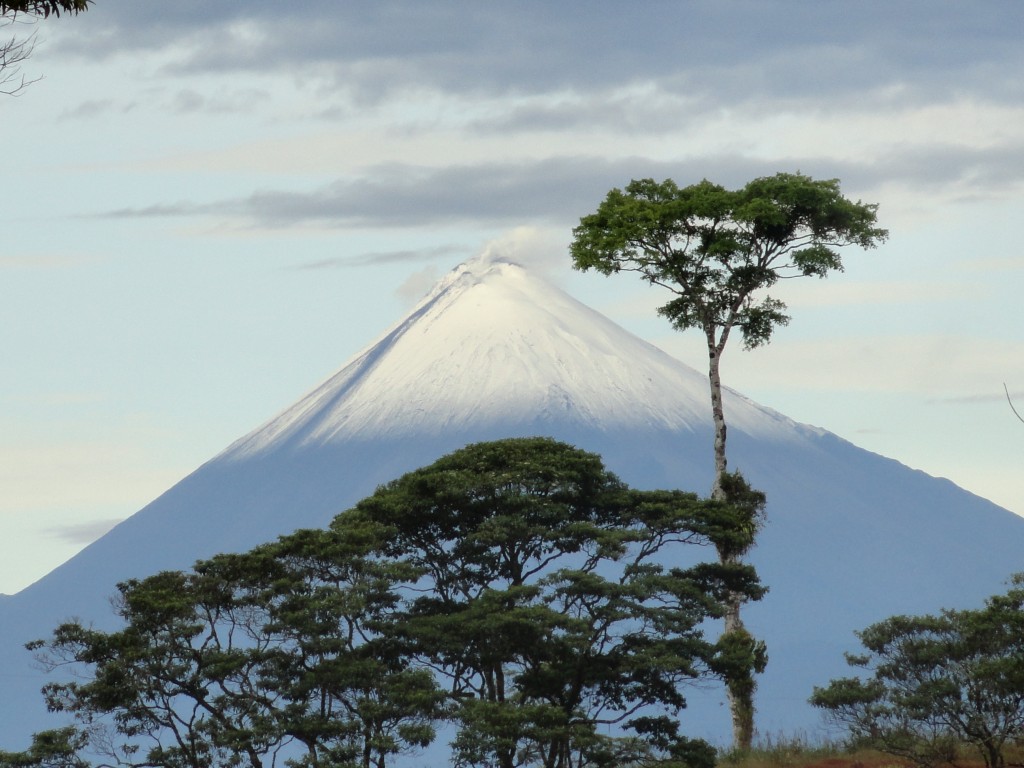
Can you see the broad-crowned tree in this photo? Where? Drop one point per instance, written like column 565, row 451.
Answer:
column 277, row 651
column 937, row 682
column 717, row 252
column 562, row 611
column 549, row 607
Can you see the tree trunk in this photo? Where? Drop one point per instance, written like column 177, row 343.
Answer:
column 718, row 416
column 740, row 693
column 993, row 754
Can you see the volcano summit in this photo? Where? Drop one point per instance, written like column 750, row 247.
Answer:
column 494, row 351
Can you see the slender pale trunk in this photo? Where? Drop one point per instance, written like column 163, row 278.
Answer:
column 741, row 704
column 718, row 416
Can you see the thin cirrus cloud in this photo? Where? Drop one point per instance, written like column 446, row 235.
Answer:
column 1011, row 397
column 384, row 257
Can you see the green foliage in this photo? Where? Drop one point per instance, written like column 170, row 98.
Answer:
column 44, row 8
column 547, row 605
column 743, row 517
column 937, row 682
column 58, row 748
column 282, row 645
column 515, row 588
column 716, row 249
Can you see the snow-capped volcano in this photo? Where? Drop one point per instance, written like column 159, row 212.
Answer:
column 494, row 352
column 490, row 344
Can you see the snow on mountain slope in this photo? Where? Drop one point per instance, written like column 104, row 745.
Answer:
column 452, row 362
column 495, row 352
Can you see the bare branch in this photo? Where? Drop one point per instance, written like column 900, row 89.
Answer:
column 15, row 50
column 1007, row 391
column 12, row 53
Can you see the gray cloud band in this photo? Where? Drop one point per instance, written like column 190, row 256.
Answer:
column 560, row 190
column 728, row 51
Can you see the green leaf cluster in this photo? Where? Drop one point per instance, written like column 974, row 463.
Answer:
column 717, row 250
column 43, row 8
column 515, row 589
column 57, row 748
column 937, row 682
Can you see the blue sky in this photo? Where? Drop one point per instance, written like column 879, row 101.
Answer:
column 208, row 208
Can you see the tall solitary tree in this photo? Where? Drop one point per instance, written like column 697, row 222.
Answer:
column 717, row 252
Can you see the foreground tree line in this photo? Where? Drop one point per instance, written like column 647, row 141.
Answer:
column 515, row 593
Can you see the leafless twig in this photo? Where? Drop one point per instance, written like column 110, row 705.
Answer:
column 13, row 52
column 1011, row 403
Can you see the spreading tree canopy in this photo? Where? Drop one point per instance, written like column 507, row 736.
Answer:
column 936, row 682
column 717, row 251
column 516, row 590
column 551, row 610
column 282, row 650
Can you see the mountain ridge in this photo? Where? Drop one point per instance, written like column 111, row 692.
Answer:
column 495, row 352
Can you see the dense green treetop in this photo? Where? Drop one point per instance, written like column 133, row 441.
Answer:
column 549, row 605
column 58, row 748
column 715, row 248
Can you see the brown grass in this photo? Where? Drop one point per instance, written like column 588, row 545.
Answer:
column 798, row 754
column 829, row 756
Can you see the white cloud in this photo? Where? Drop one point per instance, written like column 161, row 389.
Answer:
column 542, row 250
column 84, row 533
column 417, row 284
